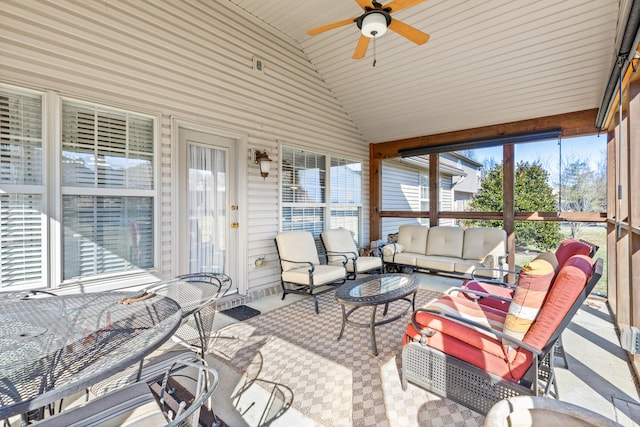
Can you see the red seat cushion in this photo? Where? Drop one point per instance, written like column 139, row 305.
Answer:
column 501, row 291
column 473, row 346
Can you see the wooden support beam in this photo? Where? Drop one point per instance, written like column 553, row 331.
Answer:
column 509, row 203
column 572, row 124
column 434, row 189
column 375, row 198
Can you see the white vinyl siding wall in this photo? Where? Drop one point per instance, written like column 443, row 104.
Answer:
column 190, row 60
column 446, row 199
column 400, row 192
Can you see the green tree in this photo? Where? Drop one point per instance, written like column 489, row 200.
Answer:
column 582, row 189
column 532, row 194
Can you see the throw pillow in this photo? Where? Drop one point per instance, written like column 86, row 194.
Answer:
column 569, row 248
column 392, row 249
column 533, row 283
column 490, row 262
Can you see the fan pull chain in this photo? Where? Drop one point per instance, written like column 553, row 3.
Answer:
column 374, row 51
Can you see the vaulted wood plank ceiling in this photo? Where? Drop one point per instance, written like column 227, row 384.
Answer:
column 487, row 62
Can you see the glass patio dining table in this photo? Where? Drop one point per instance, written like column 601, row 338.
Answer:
column 53, row 347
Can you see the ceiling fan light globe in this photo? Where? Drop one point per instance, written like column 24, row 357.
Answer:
column 374, row 25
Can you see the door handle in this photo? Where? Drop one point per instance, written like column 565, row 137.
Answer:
column 234, row 225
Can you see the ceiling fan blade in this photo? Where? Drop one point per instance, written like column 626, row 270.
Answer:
column 361, row 47
column 364, row 3
column 337, row 24
column 401, row 4
column 409, row 32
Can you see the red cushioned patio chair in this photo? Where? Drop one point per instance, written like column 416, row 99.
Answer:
column 498, row 294
column 459, row 352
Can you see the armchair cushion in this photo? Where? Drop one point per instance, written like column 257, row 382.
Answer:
column 530, row 292
column 474, row 346
column 321, row 274
column 339, row 241
column 365, row 263
column 571, row 280
column 296, row 247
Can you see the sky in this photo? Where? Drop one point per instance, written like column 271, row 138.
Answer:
column 588, row 148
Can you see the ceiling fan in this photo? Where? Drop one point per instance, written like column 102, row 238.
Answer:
column 374, row 22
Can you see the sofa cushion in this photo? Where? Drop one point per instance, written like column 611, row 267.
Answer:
column 482, row 241
column 445, row 241
column 531, row 289
column 413, row 238
column 569, row 248
column 440, row 263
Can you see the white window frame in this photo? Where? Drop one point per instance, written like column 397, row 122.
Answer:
column 53, row 192
column 327, row 206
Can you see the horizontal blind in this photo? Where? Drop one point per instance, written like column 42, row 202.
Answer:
column 106, row 234
column 22, row 223
column 21, row 230
column 303, row 177
column 346, row 181
column 21, row 139
column 106, row 149
column 113, row 151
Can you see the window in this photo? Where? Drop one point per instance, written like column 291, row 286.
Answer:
column 346, row 195
column 107, row 191
column 304, row 192
column 111, row 152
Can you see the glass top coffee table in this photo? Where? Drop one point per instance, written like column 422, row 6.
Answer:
column 372, row 291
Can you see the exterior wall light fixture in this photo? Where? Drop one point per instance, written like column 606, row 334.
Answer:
column 262, row 159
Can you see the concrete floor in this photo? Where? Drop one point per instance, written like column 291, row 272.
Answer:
column 599, row 376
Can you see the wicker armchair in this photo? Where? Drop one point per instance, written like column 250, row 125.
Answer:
column 451, row 355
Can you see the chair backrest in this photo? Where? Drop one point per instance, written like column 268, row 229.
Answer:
column 196, row 294
column 571, row 287
column 339, row 240
column 191, row 385
column 204, row 382
column 296, row 247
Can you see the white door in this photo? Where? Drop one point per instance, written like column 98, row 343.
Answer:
column 208, row 209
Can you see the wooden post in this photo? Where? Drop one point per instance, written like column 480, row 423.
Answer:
column 508, row 203
column 434, row 189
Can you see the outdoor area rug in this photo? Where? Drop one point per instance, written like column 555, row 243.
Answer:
column 294, row 352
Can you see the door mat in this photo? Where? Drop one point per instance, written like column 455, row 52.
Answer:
column 241, row 312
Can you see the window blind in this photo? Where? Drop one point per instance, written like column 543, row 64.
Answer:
column 112, row 151
column 22, row 222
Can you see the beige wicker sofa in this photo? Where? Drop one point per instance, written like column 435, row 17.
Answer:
column 449, row 249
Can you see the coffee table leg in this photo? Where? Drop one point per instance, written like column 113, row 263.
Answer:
column 374, row 347
column 344, row 321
